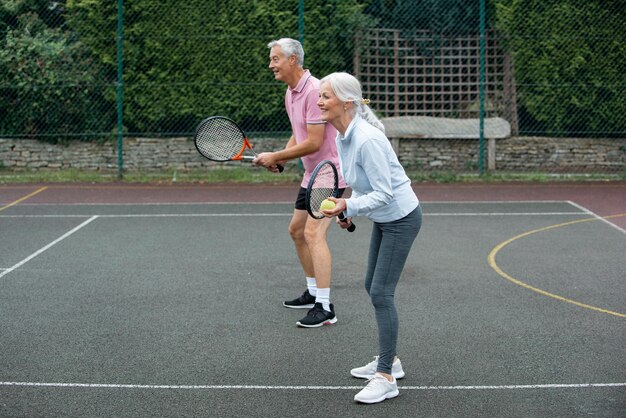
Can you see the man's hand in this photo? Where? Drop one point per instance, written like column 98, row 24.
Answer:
column 267, row 160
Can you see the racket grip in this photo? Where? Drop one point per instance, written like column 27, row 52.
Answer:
column 280, row 168
column 352, row 226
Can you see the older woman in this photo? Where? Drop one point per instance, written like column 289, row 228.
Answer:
column 381, row 191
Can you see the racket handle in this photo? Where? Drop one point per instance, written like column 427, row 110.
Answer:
column 280, row 168
column 352, row 226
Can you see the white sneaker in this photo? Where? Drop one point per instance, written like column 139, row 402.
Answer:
column 377, row 390
column 367, row 371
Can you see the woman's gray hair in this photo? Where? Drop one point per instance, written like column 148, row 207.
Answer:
column 290, row 47
column 348, row 89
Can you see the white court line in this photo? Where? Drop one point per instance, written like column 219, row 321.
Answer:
column 590, row 213
column 446, row 202
column 506, row 214
column 287, row 387
column 41, row 250
column 231, row 214
column 162, row 204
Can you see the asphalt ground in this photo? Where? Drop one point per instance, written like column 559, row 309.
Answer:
column 123, row 300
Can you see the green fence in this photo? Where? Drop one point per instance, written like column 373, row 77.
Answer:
column 462, row 86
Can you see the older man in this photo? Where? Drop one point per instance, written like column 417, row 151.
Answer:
column 312, row 140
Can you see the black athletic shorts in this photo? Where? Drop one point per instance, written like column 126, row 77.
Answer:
column 300, row 205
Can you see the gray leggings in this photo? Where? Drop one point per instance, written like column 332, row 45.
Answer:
column 389, row 248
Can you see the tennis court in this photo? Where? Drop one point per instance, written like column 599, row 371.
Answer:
column 166, row 300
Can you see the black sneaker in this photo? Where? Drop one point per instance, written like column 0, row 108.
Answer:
column 317, row 317
column 305, row 301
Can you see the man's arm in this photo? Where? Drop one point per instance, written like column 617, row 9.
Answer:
column 313, row 143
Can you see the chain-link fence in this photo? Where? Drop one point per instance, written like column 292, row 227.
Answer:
column 462, row 86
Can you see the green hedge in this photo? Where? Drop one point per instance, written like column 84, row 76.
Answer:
column 570, row 64
column 186, row 60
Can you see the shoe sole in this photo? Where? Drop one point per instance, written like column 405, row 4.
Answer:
column 388, row 395
column 299, row 306
column 327, row 322
column 369, row 376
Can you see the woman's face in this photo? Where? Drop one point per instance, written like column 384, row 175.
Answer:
column 330, row 105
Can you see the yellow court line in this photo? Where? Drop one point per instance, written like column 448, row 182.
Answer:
column 492, row 262
column 23, row 198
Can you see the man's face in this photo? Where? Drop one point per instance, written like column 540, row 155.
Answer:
column 280, row 65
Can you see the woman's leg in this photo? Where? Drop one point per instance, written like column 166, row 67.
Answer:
column 387, row 260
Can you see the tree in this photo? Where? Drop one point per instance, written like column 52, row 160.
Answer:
column 46, row 78
column 570, row 64
column 442, row 17
column 185, row 61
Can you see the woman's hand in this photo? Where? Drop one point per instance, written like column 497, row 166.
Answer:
column 340, row 206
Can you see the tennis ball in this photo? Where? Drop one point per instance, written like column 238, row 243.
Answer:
column 327, row 205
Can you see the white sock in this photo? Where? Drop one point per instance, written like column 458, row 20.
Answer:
column 323, row 297
column 311, row 285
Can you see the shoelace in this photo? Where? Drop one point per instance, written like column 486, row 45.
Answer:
column 379, row 377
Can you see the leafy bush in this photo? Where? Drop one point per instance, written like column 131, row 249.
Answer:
column 570, row 64
column 46, row 82
column 185, row 61
column 442, row 17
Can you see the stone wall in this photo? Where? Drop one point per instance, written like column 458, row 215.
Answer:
column 139, row 154
column 517, row 154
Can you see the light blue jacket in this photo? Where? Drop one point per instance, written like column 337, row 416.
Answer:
column 381, row 189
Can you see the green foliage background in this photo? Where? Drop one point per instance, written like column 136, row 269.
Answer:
column 183, row 61
column 48, row 79
column 186, row 60
column 570, row 64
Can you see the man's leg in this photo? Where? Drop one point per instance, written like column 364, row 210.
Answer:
column 296, row 231
column 315, row 237
column 323, row 312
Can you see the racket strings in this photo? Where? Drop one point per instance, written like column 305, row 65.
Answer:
column 219, row 139
column 322, row 188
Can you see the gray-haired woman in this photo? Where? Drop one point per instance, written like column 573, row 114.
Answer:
column 381, row 191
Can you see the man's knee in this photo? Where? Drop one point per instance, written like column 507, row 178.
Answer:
column 314, row 233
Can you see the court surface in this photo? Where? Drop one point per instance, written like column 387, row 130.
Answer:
column 166, row 300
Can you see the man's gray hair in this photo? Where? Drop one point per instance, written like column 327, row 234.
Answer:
column 290, row 47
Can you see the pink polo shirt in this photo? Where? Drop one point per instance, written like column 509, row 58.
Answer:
column 301, row 105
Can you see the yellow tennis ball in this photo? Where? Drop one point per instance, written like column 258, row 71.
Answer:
column 327, row 205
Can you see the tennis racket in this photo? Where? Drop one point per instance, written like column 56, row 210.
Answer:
column 324, row 183
column 220, row 139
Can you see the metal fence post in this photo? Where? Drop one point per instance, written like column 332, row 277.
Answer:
column 120, row 89
column 301, row 21
column 481, row 153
